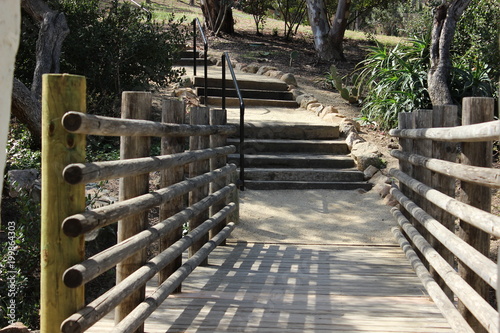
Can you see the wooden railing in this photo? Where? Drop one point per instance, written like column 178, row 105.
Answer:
column 211, row 212
column 450, row 229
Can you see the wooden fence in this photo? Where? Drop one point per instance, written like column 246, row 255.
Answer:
column 446, row 179
column 211, row 211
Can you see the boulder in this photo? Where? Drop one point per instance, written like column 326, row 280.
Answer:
column 370, row 172
column 333, row 118
column 347, row 125
column 252, row 68
column 312, row 106
column 264, row 69
column 301, row 97
column 275, row 74
column 240, row 66
column 353, row 138
column 15, row 328
column 330, row 109
column 296, row 93
column 379, row 178
column 389, row 200
column 289, row 79
column 306, row 101
column 366, row 154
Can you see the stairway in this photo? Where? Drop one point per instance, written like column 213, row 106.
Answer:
column 262, row 92
column 279, row 157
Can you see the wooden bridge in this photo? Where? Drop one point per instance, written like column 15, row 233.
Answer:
column 270, row 286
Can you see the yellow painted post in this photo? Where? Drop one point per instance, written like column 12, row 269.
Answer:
column 60, row 93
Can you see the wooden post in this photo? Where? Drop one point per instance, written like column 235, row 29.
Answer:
column 475, row 110
column 173, row 111
column 218, row 117
column 422, row 119
column 199, row 116
column 405, row 120
column 135, row 105
column 443, row 116
column 60, row 93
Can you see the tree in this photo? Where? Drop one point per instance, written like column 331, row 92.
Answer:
column 293, row 13
column 218, row 15
column 445, row 21
column 328, row 38
column 258, row 9
column 53, row 30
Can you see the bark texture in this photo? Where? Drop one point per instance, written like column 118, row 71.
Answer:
column 443, row 30
column 328, row 38
column 53, row 30
column 218, row 16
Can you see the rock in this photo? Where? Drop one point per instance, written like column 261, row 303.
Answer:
column 353, row 138
column 389, row 200
column 301, row 97
column 379, row 178
column 313, row 106
column 264, row 69
column 289, row 79
column 296, row 93
column 366, row 154
column 240, row 66
column 186, row 81
column 21, row 181
column 185, row 92
column 333, row 118
column 330, row 109
column 15, row 328
column 275, row 74
column 306, row 101
column 370, row 171
column 252, row 68
column 347, row 125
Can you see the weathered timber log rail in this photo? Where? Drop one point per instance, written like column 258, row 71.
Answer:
column 211, row 211
column 450, row 230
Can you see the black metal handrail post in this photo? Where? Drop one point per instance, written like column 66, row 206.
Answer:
column 226, row 58
column 197, row 26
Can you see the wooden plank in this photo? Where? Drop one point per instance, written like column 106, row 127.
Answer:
column 217, row 298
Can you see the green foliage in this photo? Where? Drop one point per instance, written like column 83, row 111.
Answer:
column 396, row 80
column 476, row 40
column 118, row 49
column 20, row 263
column 20, row 155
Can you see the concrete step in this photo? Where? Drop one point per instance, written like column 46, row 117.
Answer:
column 253, row 146
column 189, row 54
column 247, row 93
column 235, row 102
column 262, row 84
column 297, row 185
column 304, row 174
column 189, row 62
column 294, row 161
column 290, row 132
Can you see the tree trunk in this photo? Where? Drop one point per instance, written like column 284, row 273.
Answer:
column 218, row 16
column 53, row 30
column 443, row 30
column 328, row 39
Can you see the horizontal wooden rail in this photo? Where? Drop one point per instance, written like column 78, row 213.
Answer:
column 90, row 172
column 477, row 175
column 454, row 318
column 488, row 131
column 77, row 122
column 78, row 224
column 153, row 301
column 89, row 315
column 481, row 309
column 98, row 264
column 476, row 217
column 480, row 264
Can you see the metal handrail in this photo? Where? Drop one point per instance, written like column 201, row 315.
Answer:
column 197, row 24
column 225, row 57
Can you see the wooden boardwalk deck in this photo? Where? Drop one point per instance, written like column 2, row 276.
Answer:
column 255, row 287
